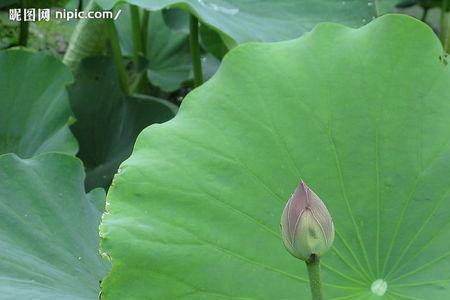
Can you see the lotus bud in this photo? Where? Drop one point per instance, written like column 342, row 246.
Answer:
column 306, row 225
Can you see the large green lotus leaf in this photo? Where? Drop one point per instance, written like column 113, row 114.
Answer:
column 34, row 106
column 266, row 20
column 48, row 230
column 108, row 121
column 360, row 115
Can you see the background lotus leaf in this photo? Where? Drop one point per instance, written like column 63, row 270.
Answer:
column 35, row 109
column 261, row 20
column 108, row 121
column 48, row 230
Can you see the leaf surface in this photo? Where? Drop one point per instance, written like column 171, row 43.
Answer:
column 35, row 109
column 264, row 20
column 360, row 115
column 108, row 121
column 48, row 230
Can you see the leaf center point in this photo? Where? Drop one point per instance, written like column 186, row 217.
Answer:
column 379, row 287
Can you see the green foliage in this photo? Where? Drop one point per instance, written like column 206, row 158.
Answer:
column 212, row 42
column 176, row 19
column 51, row 36
column 194, row 212
column 107, row 141
column 6, row 3
column 35, row 109
column 8, row 31
column 243, row 21
column 385, row 6
column 423, row 3
column 46, row 3
column 88, row 39
column 48, row 225
column 169, row 62
column 48, row 230
column 35, row 3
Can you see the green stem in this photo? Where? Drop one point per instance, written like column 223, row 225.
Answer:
column 24, row 29
column 424, row 15
column 447, row 44
column 443, row 22
column 80, row 5
column 195, row 50
column 117, row 54
column 136, row 32
column 144, row 31
column 24, row 26
column 313, row 266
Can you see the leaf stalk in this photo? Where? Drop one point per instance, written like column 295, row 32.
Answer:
column 136, row 33
column 195, row 50
column 443, row 24
column 144, row 30
column 117, row 54
column 24, row 26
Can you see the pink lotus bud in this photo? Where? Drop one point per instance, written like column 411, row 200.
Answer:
column 306, row 224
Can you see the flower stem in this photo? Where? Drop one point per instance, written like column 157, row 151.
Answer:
column 313, row 266
column 195, row 50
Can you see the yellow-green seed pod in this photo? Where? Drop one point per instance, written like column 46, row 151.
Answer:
column 306, row 224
